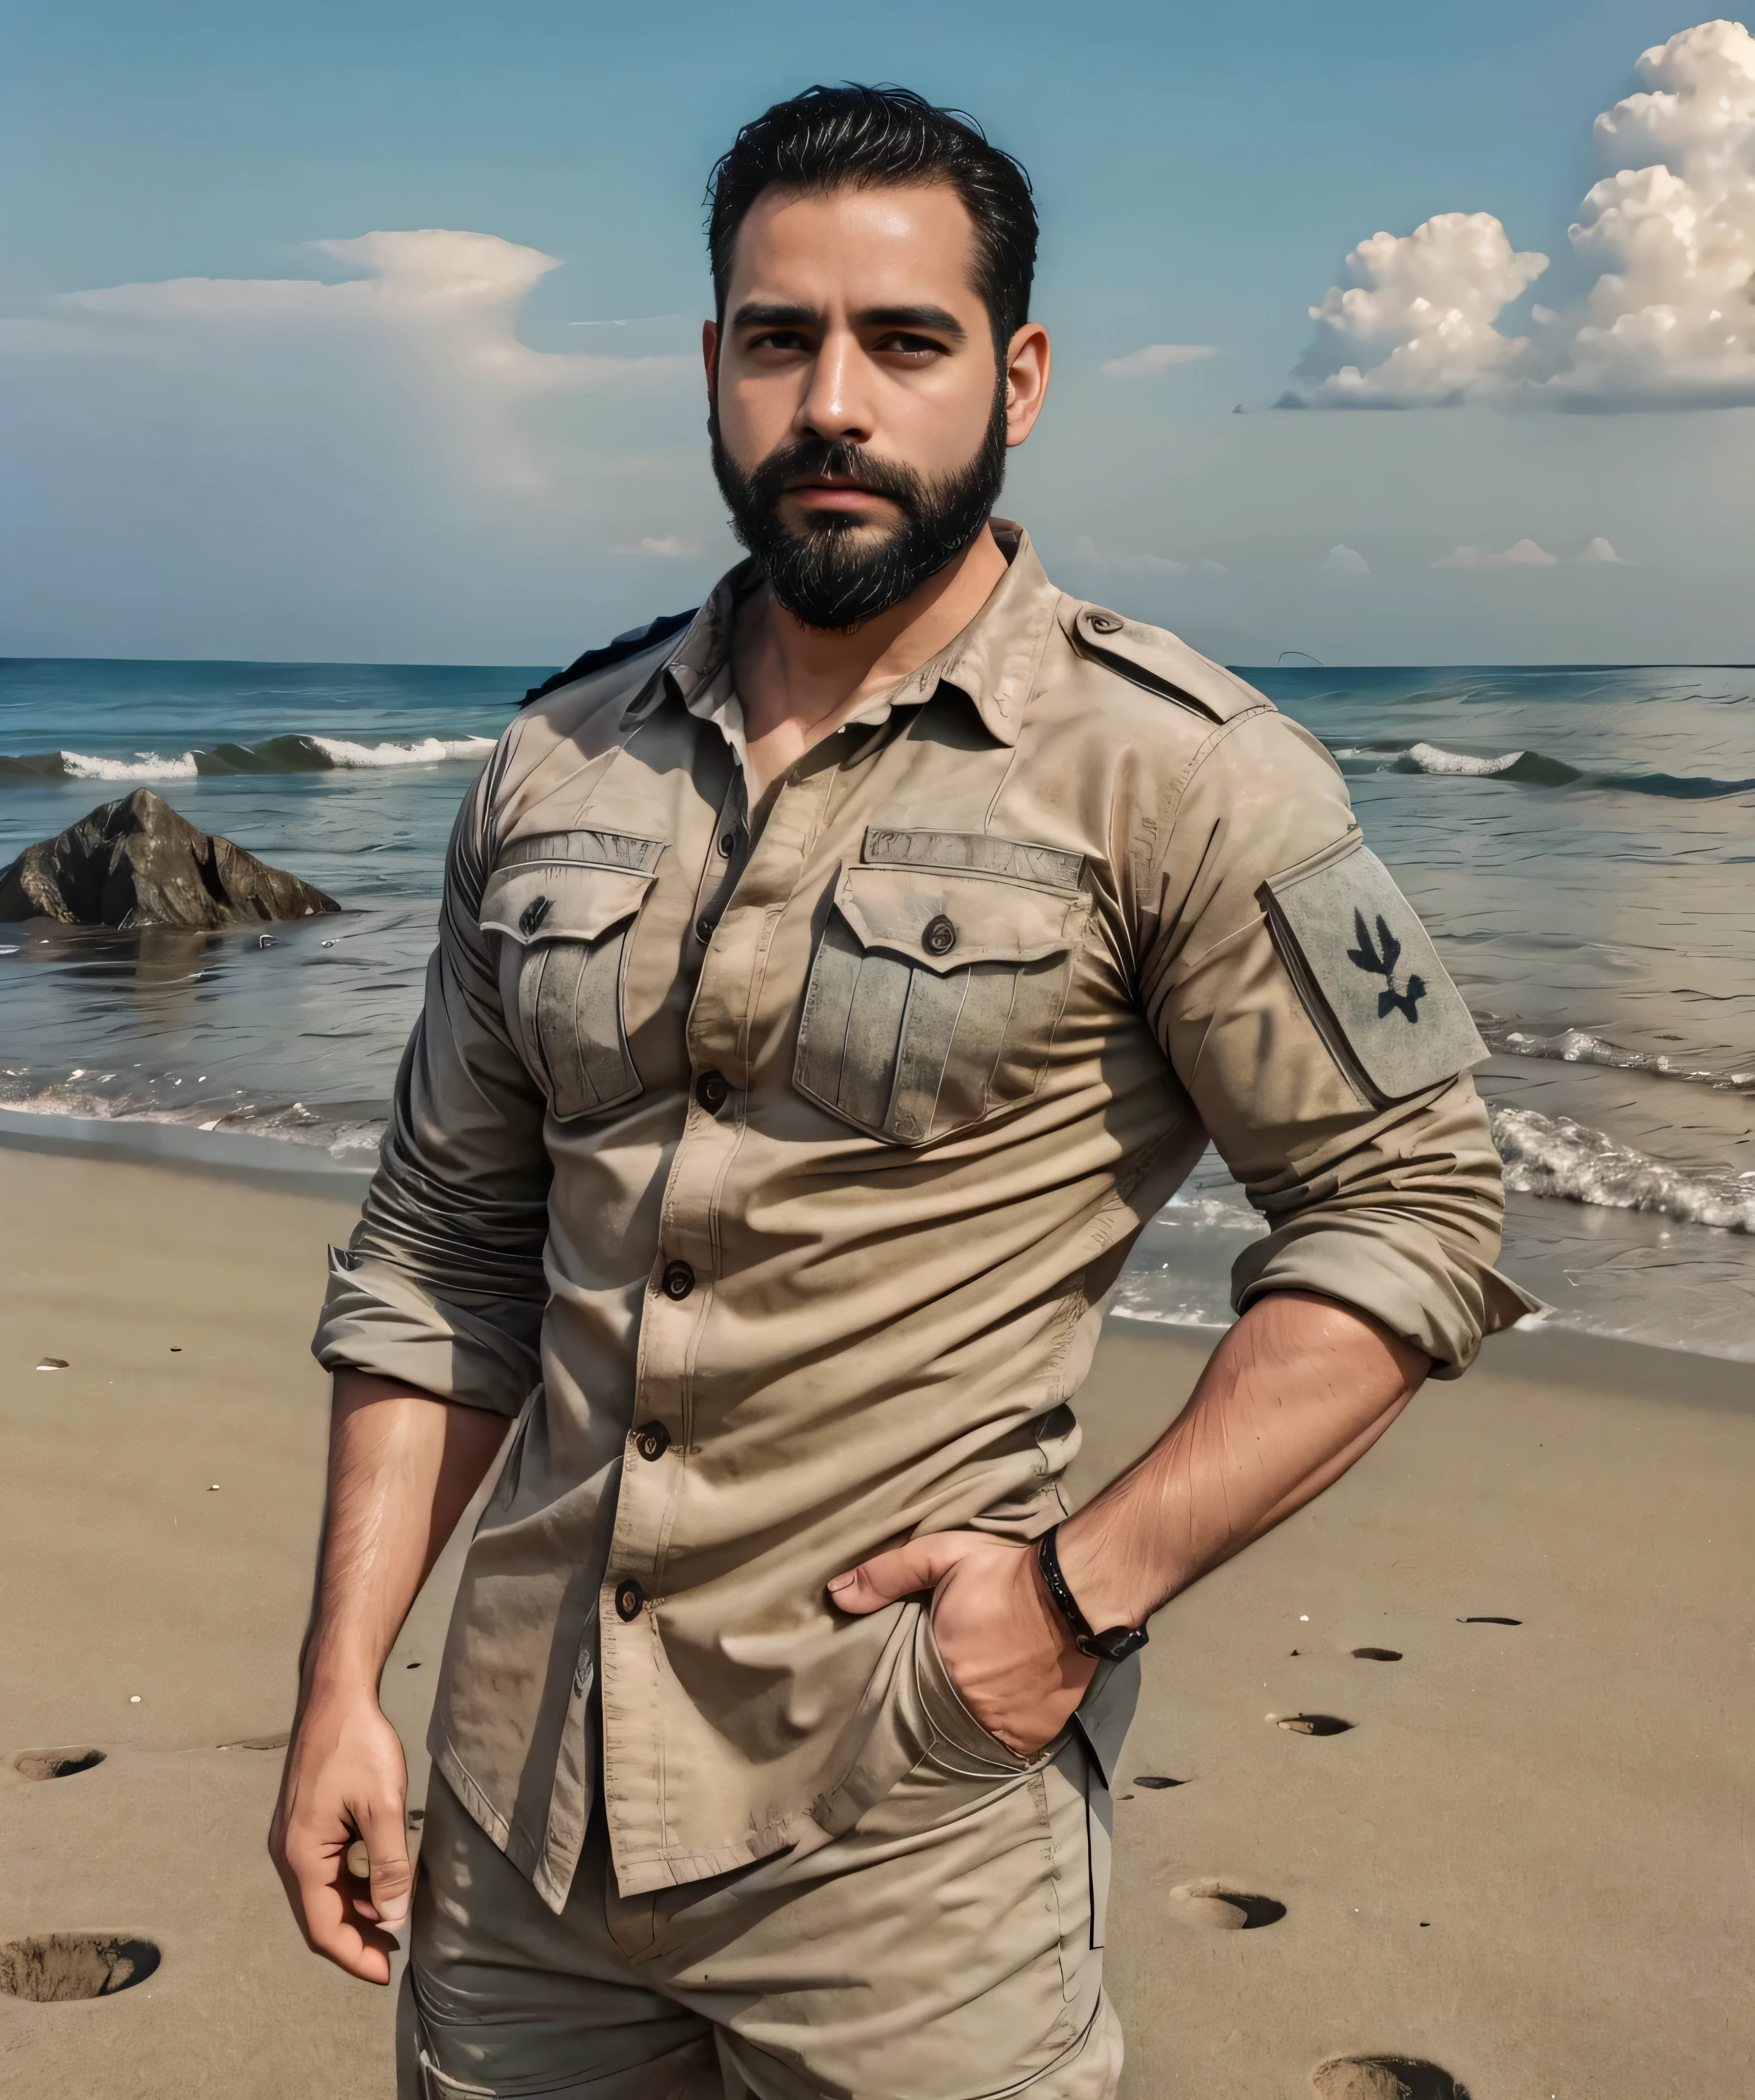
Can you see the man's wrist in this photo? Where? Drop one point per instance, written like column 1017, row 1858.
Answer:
column 1107, row 1637
column 340, row 1673
column 1108, row 1580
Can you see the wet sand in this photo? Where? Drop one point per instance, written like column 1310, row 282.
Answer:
column 1524, row 1861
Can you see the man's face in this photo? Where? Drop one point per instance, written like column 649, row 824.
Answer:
column 859, row 417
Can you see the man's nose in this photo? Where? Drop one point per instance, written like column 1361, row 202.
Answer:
column 837, row 404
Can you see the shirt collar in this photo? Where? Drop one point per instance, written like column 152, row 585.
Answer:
column 993, row 661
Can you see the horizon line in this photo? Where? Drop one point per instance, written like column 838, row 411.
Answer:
column 448, row 664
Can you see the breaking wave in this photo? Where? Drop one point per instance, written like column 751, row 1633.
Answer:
column 116, row 1101
column 274, row 754
column 1553, row 1156
column 1528, row 769
column 1578, row 1045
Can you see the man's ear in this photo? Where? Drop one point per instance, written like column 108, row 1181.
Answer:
column 1026, row 380
column 710, row 357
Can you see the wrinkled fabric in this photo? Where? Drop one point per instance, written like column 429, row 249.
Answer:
column 772, row 1165
column 949, row 1946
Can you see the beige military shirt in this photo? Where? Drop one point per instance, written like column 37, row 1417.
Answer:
column 772, row 1165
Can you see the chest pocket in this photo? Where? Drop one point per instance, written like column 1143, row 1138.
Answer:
column 566, row 903
column 933, row 998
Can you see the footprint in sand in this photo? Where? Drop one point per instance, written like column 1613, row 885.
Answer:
column 1219, row 1907
column 56, row 1968
column 1384, row 2078
column 57, row 1764
column 1311, row 1724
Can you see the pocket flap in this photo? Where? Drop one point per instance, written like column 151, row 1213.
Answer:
column 560, row 900
column 944, row 922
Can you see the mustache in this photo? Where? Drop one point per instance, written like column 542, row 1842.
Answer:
column 810, row 457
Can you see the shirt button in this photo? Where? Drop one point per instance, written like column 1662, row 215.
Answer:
column 1105, row 622
column 940, row 937
column 710, row 1090
column 533, row 915
column 651, row 1440
column 704, row 928
column 629, row 1597
column 678, row 1281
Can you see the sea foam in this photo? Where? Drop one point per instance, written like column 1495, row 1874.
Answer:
column 1553, row 1156
column 1530, row 769
column 429, row 750
column 275, row 754
column 143, row 766
column 1430, row 758
column 1580, row 1046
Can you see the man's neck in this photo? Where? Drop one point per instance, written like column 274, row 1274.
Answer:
column 797, row 684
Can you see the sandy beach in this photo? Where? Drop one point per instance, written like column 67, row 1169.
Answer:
column 1523, row 1861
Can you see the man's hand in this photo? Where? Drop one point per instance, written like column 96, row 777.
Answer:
column 345, row 1779
column 1294, row 1394
column 403, row 1466
column 1006, row 1648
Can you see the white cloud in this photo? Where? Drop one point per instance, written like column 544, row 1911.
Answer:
column 1415, row 327
column 1085, row 549
column 1343, row 564
column 1155, row 357
column 1669, row 322
column 675, row 547
column 458, row 294
column 1524, row 554
column 1599, row 551
column 430, row 327
column 273, row 461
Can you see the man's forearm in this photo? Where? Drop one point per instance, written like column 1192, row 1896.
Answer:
column 402, row 1465
column 1294, row 1394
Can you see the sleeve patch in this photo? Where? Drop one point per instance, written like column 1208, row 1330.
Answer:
column 1369, row 976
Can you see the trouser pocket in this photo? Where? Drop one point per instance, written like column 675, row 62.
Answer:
column 954, row 1739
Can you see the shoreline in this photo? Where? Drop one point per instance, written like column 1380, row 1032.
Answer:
column 1519, row 1860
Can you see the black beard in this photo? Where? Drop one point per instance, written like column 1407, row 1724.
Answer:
column 821, row 576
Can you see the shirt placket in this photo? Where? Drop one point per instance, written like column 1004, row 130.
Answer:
column 679, row 1293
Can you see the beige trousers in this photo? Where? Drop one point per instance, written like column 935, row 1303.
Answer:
column 947, row 1947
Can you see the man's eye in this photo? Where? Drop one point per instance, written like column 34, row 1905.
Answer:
column 779, row 339
column 911, row 346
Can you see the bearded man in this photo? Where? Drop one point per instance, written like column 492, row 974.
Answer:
column 830, row 986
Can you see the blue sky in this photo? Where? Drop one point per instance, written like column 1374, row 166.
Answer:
column 441, row 465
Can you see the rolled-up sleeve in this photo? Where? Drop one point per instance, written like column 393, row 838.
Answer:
column 1395, row 1210
column 442, row 1281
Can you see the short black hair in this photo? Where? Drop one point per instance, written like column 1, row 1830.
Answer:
column 862, row 138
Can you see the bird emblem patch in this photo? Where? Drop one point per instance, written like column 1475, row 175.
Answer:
column 1380, row 961
column 1368, row 974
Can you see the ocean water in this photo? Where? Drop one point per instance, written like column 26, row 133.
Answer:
column 1581, row 842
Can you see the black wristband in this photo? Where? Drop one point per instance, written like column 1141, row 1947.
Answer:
column 1109, row 1646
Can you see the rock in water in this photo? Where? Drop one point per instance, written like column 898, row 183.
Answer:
column 136, row 862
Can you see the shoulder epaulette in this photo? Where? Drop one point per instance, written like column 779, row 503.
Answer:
column 625, row 645
column 1157, row 659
